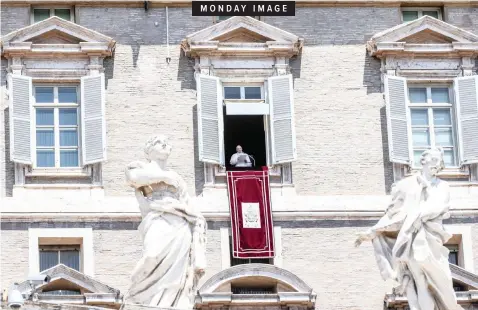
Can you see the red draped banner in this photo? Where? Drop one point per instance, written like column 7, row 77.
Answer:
column 251, row 216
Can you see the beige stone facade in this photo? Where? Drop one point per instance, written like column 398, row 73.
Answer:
column 335, row 183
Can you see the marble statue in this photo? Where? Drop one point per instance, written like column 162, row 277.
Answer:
column 240, row 159
column 172, row 230
column 408, row 240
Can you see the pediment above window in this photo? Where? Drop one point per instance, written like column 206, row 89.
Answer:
column 424, row 36
column 55, row 36
column 250, row 284
column 242, row 35
column 68, row 285
column 467, row 280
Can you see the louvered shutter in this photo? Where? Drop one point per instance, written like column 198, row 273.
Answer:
column 93, row 124
column 466, row 93
column 210, row 119
column 280, row 96
column 21, row 113
column 398, row 116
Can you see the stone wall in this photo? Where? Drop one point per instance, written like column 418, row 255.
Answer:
column 319, row 252
column 336, row 86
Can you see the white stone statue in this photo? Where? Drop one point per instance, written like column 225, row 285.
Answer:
column 408, row 240
column 240, row 159
column 172, row 230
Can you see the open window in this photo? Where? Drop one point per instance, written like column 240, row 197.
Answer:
column 259, row 117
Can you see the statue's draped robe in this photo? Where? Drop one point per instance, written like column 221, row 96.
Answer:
column 165, row 275
column 409, row 240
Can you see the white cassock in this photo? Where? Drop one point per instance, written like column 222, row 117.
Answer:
column 240, row 160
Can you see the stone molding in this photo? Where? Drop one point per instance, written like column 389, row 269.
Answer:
column 393, row 41
column 213, row 40
column 88, row 42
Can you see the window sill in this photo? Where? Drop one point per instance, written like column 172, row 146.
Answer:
column 59, row 172
column 448, row 173
column 245, row 101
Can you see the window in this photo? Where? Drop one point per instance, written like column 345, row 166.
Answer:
column 409, row 14
column 453, row 256
column 56, row 126
column 40, row 14
column 218, row 19
column 72, row 247
column 243, row 92
column 420, row 117
column 241, row 261
column 259, row 118
column 51, row 255
column 432, row 122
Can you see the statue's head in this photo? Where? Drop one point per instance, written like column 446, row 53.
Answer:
column 157, row 148
column 432, row 160
column 239, row 149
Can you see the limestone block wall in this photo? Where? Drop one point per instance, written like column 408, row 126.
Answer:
column 336, row 85
column 320, row 252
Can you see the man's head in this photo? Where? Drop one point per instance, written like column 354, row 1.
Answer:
column 239, row 149
column 432, row 160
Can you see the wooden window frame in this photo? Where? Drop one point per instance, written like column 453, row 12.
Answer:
column 429, row 105
column 52, row 11
column 55, row 105
column 420, row 11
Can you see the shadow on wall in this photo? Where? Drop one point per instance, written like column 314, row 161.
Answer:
column 373, row 83
column 186, row 71
column 9, row 167
column 371, row 74
column 198, row 165
column 135, row 52
column 188, row 82
column 109, row 65
column 9, row 172
column 295, row 64
column 387, row 165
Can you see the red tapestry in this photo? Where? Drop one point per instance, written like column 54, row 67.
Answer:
column 251, row 216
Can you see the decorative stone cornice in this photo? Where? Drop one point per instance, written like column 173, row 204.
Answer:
column 262, row 39
column 450, row 40
column 78, row 40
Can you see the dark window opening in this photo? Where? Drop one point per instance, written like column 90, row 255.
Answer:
column 457, row 287
column 252, row 290
column 61, row 292
column 248, row 132
column 453, row 255
column 241, row 261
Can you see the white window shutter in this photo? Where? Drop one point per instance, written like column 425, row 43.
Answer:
column 21, row 114
column 280, row 96
column 466, row 93
column 93, row 123
column 210, row 119
column 398, row 116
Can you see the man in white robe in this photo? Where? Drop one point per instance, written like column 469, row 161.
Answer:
column 240, row 159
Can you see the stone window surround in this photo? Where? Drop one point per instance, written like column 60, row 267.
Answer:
column 226, row 61
column 465, row 247
column 205, row 65
column 226, row 250
column 70, row 234
column 85, row 57
column 420, row 11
